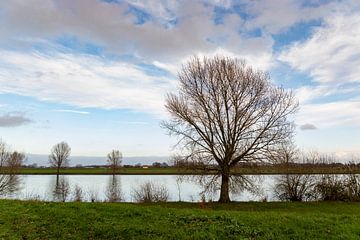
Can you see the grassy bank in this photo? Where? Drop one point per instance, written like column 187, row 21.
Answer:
column 39, row 220
column 173, row 171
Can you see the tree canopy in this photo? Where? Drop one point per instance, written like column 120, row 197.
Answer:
column 226, row 112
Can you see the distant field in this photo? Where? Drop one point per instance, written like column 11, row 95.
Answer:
column 99, row 171
column 173, row 170
column 276, row 220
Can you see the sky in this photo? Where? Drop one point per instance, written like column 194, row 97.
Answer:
column 95, row 73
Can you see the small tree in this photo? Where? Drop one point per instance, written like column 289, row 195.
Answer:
column 226, row 113
column 114, row 159
column 59, row 156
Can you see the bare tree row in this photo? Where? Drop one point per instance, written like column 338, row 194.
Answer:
column 60, row 157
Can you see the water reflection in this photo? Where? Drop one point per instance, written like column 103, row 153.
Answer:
column 181, row 188
column 295, row 187
column 210, row 185
column 9, row 184
column 113, row 190
column 61, row 190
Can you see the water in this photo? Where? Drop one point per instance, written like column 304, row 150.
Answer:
column 42, row 187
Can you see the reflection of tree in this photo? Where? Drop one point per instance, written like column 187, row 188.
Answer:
column 62, row 189
column 294, row 187
column 179, row 180
column 9, row 183
column 78, row 194
column 113, row 190
column 10, row 162
column 211, row 184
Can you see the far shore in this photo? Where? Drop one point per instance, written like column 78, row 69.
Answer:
column 257, row 170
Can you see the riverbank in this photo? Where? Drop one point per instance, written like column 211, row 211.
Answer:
column 260, row 170
column 252, row 220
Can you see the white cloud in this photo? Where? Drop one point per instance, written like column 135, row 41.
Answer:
column 82, row 81
column 332, row 53
column 278, row 15
column 113, row 27
column 133, row 122
column 330, row 115
column 72, row 111
column 307, row 93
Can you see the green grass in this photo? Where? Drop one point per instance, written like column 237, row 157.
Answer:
column 42, row 220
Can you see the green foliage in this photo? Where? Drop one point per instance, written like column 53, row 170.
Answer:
column 313, row 220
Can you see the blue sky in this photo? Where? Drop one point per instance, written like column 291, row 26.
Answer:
column 95, row 73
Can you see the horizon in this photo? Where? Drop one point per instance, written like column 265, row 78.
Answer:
column 43, row 160
column 95, row 73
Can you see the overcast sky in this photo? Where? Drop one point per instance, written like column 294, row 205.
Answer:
column 94, row 73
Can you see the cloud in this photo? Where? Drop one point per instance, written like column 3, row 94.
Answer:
column 83, row 81
column 72, row 111
column 278, row 15
column 331, row 114
column 308, row 126
column 133, row 122
column 116, row 29
column 332, row 54
column 163, row 35
column 13, row 120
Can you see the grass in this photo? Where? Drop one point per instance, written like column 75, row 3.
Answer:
column 174, row 171
column 276, row 220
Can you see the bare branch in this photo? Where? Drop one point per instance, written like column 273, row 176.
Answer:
column 225, row 112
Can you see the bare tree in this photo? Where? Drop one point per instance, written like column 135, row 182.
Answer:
column 59, row 156
column 10, row 162
column 225, row 113
column 114, row 160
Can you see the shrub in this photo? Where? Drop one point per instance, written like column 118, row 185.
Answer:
column 336, row 188
column 150, row 192
column 295, row 187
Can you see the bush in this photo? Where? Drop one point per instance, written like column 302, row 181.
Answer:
column 295, row 188
column 150, row 192
column 335, row 188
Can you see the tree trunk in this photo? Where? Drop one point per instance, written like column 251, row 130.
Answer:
column 224, row 192
column 57, row 179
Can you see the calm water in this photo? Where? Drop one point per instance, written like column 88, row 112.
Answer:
column 42, row 187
